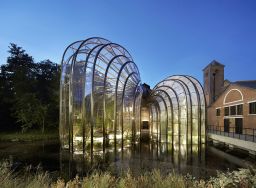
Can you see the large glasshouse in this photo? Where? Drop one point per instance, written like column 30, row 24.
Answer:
column 103, row 102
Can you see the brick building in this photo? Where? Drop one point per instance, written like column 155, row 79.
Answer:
column 231, row 106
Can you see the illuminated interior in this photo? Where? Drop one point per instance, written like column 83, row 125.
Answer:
column 177, row 111
column 101, row 95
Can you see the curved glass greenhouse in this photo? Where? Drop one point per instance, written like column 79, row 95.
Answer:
column 177, row 111
column 101, row 97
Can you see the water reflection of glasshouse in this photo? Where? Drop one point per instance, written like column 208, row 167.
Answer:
column 103, row 103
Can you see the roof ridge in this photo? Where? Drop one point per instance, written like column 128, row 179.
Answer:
column 214, row 62
column 245, row 81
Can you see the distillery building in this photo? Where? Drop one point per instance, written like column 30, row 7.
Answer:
column 231, row 106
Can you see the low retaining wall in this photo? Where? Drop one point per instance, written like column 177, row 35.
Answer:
column 246, row 145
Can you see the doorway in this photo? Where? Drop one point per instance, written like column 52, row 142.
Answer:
column 226, row 125
column 239, row 125
column 145, row 131
column 145, row 125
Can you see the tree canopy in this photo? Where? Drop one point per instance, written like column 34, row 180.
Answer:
column 29, row 92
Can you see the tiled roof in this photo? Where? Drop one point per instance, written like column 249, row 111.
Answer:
column 246, row 83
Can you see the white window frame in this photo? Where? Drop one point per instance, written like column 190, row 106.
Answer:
column 249, row 102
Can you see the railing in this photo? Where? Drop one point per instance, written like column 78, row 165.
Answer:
column 247, row 134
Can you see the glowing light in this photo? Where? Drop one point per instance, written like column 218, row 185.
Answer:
column 168, row 107
column 112, row 136
column 78, row 152
column 78, row 138
column 99, row 139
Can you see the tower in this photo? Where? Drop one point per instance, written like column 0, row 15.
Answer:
column 213, row 81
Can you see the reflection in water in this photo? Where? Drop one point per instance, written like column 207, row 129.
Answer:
column 199, row 162
column 138, row 158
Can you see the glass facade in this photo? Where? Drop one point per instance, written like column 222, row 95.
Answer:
column 101, row 95
column 178, row 111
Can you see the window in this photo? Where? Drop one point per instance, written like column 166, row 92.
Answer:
column 239, row 109
column 218, row 112
column 226, row 111
column 232, row 110
column 252, row 108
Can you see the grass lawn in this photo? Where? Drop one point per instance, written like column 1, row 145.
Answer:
column 28, row 136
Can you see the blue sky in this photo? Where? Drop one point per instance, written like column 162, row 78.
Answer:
column 164, row 37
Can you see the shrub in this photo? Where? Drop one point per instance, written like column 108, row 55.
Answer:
column 29, row 177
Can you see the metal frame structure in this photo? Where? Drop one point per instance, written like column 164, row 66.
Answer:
column 100, row 101
column 178, row 111
column 99, row 89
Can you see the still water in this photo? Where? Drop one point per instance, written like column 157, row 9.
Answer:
column 200, row 162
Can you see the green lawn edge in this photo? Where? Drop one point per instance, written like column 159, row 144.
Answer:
column 28, row 136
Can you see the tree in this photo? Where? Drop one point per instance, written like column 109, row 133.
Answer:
column 29, row 91
column 47, row 90
column 21, row 70
column 16, row 79
column 6, row 96
column 24, row 111
column 20, row 73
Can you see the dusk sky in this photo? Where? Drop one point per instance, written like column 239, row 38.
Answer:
column 164, row 37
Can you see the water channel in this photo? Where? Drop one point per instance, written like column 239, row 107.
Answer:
column 200, row 162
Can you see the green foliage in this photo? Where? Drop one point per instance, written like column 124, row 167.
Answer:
column 29, row 111
column 24, row 178
column 28, row 136
column 29, row 91
column 243, row 178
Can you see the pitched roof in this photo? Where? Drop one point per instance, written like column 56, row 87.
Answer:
column 246, row 83
column 214, row 63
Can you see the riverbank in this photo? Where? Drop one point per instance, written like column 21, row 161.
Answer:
column 28, row 136
column 28, row 178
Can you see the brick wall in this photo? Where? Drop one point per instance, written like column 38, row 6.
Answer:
column 233, row 97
